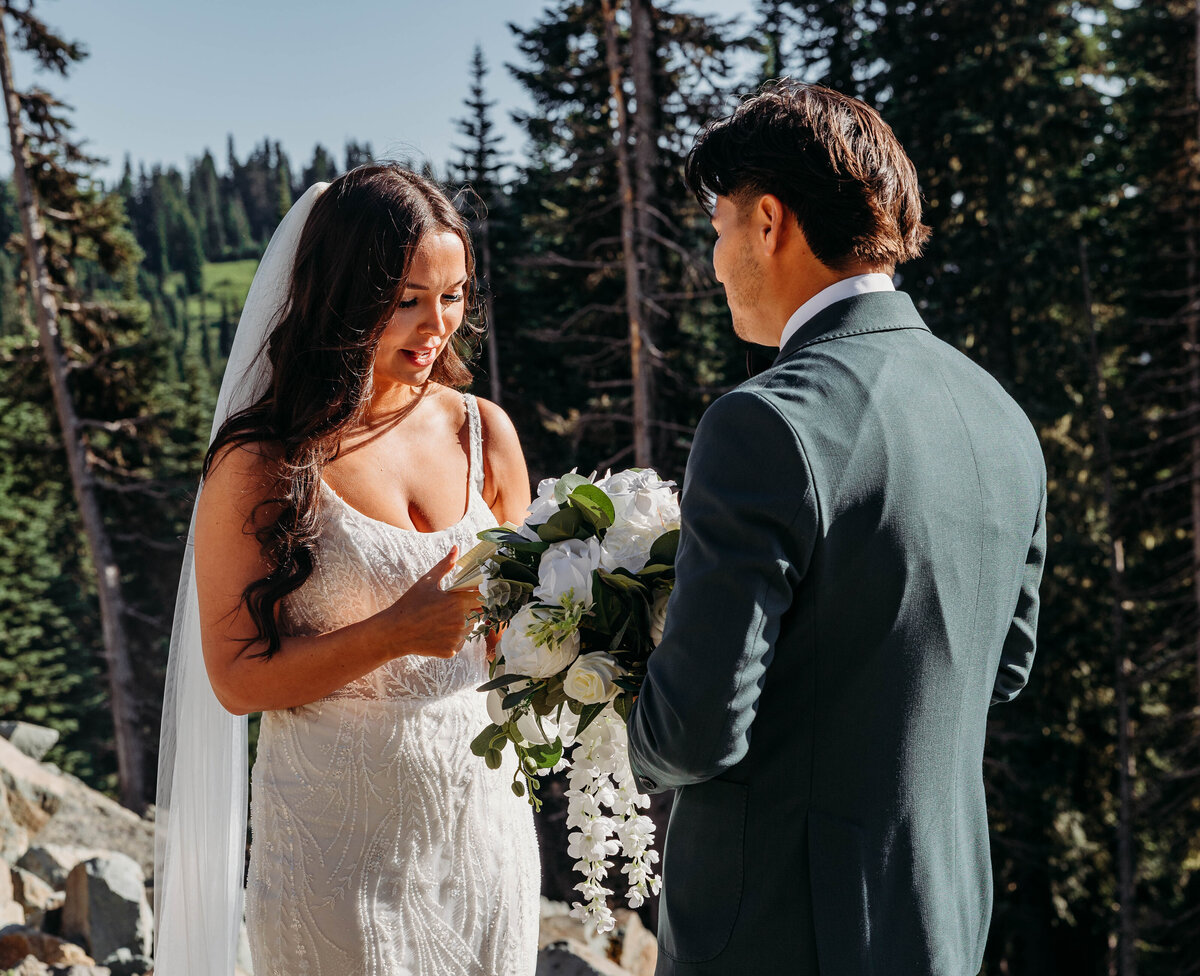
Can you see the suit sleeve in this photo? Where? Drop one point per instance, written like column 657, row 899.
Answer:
column 1020, row 644
column 749, row 520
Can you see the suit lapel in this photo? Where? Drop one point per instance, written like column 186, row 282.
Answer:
column 880, row 311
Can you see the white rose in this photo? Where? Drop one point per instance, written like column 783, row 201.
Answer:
column 540, row 509
column 642, row 497
column 654, row 507
column 627, row 546
column 592, row 678
column 621, row 483
column 658, row 616
column 566, row 570
column 523, row 656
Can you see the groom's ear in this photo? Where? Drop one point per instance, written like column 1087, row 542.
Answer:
column 772, row 223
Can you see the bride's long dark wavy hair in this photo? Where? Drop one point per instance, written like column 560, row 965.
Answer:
column 352, row 264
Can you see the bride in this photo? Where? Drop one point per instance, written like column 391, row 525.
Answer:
column 345, row 474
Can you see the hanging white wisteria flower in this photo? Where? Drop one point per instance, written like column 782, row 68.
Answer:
column 577, row 595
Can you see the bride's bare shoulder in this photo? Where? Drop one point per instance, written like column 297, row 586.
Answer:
column 240, row 478
column 499, row 434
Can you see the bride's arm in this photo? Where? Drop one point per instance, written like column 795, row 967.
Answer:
column 425, row 620
column 506, row 479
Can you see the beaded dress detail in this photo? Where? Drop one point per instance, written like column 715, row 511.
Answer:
column 379, row 845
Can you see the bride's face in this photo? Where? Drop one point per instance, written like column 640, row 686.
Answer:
column 431, row 309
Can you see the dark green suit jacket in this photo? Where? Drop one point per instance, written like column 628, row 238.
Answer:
column 863, row 539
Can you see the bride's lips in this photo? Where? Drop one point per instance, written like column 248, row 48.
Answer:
column 421, row 357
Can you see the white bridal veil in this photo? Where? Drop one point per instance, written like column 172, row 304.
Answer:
column 200, row 828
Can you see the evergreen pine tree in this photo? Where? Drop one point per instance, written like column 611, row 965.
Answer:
column 480, row 169
column 568, row 197
column 322, row 169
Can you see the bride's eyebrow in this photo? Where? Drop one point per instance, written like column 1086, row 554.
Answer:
column 416, row 287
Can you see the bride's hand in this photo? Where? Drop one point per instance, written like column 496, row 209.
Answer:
column 431, row 621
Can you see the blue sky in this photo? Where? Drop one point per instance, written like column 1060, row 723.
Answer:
column 167, row 78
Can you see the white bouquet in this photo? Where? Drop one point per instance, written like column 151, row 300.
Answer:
column 578, row 594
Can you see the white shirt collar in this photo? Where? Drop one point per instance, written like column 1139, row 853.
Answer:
column 839, row 290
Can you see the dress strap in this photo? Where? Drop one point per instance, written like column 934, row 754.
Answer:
column 476, row 438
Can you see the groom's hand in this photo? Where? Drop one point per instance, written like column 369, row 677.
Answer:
column 430, row 621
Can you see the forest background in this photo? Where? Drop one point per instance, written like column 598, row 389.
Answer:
column 1058, row 148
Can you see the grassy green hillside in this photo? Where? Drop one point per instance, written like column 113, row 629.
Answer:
column 224, row 282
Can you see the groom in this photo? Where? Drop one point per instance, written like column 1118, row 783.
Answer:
column 863, row 539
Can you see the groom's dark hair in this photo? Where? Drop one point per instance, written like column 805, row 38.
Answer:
column 830, row 159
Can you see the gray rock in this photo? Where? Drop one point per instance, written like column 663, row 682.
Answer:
column 106, row 907
column 124, row 962
column 33, row 740
column 18, row 942
column 31, row 966
column 558, row 926
column 630, row 944
column 54, row 862
column 14, row 839
column 32, row 892
column 573, row 959
column 31, row 796
column 86, row 818
column 11, row 911
column 638, row 951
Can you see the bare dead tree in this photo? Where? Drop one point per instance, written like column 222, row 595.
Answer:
column 113, row 606
column 639, row 359
column 1123, row 663
column 1192, row 312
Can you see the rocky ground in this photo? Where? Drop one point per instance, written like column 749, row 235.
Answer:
column 75, row 898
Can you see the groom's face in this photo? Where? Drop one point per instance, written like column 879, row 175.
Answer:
column 736, row 263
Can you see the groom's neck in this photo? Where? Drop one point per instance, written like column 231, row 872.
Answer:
column 802, row 278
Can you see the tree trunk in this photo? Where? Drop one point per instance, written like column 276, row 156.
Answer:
column 130, row 747
column 633, row 292
column 1126, row 866
column 645, row 189
column 1192, row 314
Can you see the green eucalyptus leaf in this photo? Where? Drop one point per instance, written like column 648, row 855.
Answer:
column 562, row 525
column 483, row 742
column 501, row 537
column 621, row 580
column 567, row 484
column 596, row 506
column 546, row 755
column 665, row 547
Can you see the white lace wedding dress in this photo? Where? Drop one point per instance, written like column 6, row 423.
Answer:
column 379, row 845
